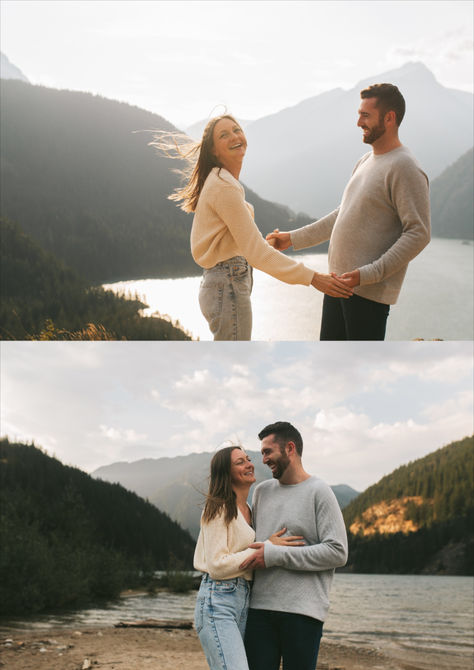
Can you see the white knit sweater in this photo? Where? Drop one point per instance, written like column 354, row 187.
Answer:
column 221, row 548
column 224, row 227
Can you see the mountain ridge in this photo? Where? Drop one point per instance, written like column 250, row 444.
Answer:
column 180, row 488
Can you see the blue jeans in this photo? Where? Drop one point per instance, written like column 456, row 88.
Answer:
column 224, row 298
column 272, row 635
column 353, row 318
column 219, row 618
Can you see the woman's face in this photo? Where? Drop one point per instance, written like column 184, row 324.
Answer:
column 229, row 142
column 241, row 468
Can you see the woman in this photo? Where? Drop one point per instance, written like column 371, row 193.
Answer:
column 223, row 544
column 225, row 240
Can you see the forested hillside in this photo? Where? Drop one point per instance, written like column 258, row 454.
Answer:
column 420, row 518
column 452, row 200
column 178, row 485
column 78, row 176
column 43, row 299
column 67, row 538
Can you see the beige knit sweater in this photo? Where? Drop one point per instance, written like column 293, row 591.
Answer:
column 224, row 227
column 221, row 548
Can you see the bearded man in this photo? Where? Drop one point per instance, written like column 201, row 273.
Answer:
column 290, row 594
column 382, row 223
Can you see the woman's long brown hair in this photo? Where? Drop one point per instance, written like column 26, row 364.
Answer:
column 220, row 495
column 199, row 157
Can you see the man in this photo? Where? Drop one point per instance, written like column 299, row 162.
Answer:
column 383, row 222
column 290, row 597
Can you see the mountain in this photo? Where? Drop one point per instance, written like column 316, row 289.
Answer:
column 304, row 155
column 78, row 176
column 419, row 518
column 43, row 299
column 452, row 200
column 10, row 71
column 67, row 538
column 178, row 485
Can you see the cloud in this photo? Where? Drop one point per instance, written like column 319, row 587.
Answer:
column 121, row 435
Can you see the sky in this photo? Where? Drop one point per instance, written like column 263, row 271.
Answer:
column 363, row 408
column 187, row 61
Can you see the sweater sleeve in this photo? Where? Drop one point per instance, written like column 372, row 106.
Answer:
column 230, row 206
column 331, row 550
column 409, row 191
column 221, row 562
column 314, row 233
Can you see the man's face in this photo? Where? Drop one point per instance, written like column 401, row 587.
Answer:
column 273, row 456
column 370, row 120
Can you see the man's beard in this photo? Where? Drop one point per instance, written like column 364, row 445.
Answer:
column 374, row 133
column 280, row 466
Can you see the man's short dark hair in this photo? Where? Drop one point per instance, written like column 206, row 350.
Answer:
column 389, row 99
column 284, row 432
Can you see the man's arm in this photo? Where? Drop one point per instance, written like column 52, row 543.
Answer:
column 410, row 197
column 330, row 552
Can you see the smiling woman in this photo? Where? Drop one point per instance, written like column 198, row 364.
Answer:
column 225, row 240
column 222, row 546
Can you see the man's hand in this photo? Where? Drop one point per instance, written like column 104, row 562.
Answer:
column 280, row 241
column 257, row 560
column 349, row 278
column 331, row 285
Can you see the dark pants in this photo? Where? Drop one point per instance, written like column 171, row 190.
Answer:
column 353, row 318
column 270, row 636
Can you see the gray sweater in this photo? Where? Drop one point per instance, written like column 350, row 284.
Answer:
column 383, row 222
column 298, row 579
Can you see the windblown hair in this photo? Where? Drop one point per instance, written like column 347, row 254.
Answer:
column 198, row 156
column 220, row 495
column 284, row 432
column 389, row 99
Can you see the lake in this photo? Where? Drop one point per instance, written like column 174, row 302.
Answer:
column 403, row 615
column 436, row 301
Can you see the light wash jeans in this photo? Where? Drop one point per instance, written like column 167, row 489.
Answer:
column 220, row 617
column 224, row 298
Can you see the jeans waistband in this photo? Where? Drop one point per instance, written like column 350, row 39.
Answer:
column 234, row 580
column 234, row 259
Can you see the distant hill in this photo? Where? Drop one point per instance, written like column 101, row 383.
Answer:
column 43, row 299
column 177, row 485
column 419, row 518
column 67, row 538
column 452, row 200
column 304, row 155
column 10, row 71
column 80, row 180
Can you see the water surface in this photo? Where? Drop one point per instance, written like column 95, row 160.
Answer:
column 436, row 301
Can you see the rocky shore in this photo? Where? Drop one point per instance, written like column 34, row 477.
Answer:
column 165, row 649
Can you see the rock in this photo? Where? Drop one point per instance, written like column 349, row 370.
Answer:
column 86, row 664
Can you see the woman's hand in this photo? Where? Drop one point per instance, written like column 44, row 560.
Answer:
column 280, row 241
column 288, row 541
column 332, row 285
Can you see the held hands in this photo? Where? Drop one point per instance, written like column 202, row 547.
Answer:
column 257, row 561
column 280, row 241
column 350, row 278
column 337, row 287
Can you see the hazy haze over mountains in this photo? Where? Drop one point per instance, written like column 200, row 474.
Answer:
column 177, row 485
column 10, row 71
column 303, row 155
column 452, row 200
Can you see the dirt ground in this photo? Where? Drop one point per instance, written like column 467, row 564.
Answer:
column 139, row 649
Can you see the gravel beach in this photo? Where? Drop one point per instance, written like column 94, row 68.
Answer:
column 162, row 649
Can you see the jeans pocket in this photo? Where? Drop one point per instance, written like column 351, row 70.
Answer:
column 199, row 613
column 239, row 270
column 225, row 586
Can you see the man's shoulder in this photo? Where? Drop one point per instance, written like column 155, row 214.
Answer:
column 266, row 485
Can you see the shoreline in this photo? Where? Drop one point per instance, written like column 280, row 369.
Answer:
column 164, row 649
